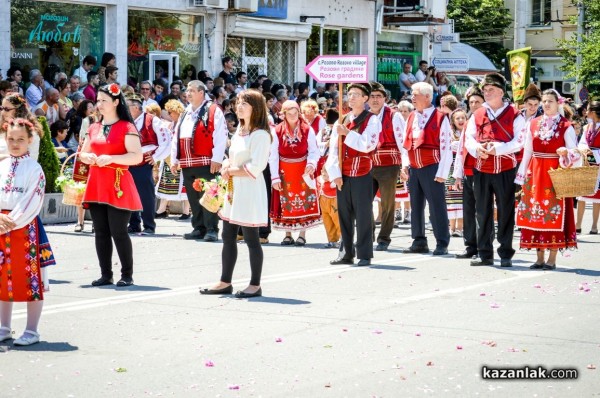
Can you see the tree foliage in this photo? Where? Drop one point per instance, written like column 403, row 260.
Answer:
column 47, row 157
column 589, row 70
column 482, row 24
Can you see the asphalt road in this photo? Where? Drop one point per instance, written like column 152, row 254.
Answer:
column 407, row 326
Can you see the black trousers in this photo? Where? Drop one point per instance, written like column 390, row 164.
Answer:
column 142, row 177
column 355, row 208
column 202, row 219
column 111, row 223
column 230, row 252
column 423, row 188
column 469, row 220
column 502, row 186
column 384, row 180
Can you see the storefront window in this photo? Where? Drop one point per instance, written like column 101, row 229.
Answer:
column 274, row 58
column 164, row 45
column 335, row 41
column 57, row 36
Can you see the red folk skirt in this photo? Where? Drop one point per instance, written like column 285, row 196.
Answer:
column 112, row 185
column 20, row 271
column 296, row 207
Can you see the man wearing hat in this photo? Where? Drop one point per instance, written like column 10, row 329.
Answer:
column 386, row 161
column 463, row 174
column 494, row 133
column 156, row 146
column 531, row 100
column 359, row 136
column 426, row 149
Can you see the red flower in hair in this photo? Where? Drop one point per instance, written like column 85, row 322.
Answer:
column 114, row 89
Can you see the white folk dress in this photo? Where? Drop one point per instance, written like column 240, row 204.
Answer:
column 249, row 205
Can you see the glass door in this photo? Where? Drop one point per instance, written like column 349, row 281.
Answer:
column 163, row 65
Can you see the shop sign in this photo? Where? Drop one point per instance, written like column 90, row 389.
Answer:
column 22, row 53
column 190, row 48
column 55, row 34
column 339, row 68
column 451, row 64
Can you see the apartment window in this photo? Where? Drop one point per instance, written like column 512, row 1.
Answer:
column 541, row 12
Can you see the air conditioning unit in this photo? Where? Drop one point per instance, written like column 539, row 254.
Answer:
column 224, row 4
column 568, row 88
column 244, row 6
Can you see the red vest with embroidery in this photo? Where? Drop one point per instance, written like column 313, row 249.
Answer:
column 202, row 137
column 501, row 129
column 147, row 135
column 425, row 149
column 356, row 163
column 295, row 149
column 315, row 124
column 387, row 152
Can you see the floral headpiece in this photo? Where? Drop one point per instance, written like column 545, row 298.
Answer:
column 114, row 89
column 561, row 99
column 16, row 99
column 17, row 122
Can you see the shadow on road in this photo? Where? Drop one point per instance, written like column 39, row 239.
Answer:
column 279, row 300
column 391, row 267
column 132, row 288
column 579, row 271
column 58, row 282
column 41, row 346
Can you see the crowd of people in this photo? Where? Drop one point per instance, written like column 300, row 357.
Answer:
column 302, row 162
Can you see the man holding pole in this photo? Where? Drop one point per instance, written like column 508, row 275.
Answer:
column 349, row 165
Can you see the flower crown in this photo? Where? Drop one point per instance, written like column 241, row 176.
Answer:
column 114, row 89
column 16, row 99
column 17, row 122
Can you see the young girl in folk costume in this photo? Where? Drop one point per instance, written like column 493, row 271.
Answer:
column 21, row 199
column 454, row 202
column 546, row 222
column 293, row 159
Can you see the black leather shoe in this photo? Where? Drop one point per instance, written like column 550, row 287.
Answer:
column 132, row 230
column 549, row 267
column 440, row 251
column 211, row 236
column 466, row 254
column 506, row 262
column 225, row 290
column 342, row 260
column 102, row 281
column 537, row 266
column 195, row 234
column 164, row 214
column 363, row 262
column 382, row 247
column 412, row 249
column 184, row 217
column 241, row 294
column 125, row 282
column 479, row 262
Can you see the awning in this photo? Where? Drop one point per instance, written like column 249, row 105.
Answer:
column 478, row 62
column 263, row 28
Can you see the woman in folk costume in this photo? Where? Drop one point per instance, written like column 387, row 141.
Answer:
column 310, row 112
column 169, row 185
column 112, row 145
column 86, row 112
column 546, row 222
column 590, row 144
column 246, row 203
column 21, row 199
column 454, row 200
column 293, row 161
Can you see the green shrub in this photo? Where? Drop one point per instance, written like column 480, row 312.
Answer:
column 48, row 158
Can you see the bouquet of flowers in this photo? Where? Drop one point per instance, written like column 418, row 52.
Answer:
column 72, row 190
column 214, row 192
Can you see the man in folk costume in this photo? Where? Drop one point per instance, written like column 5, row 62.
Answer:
column 426, row 149
column 359, row 134
column 463, row 173
column 531, row 100
column 198, row 150
column 386, row 161
column 494, row 134
column 156, row 145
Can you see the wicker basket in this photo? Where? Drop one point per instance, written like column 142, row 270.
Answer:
column 71, row 196
column 575, row 181
column 210, row 201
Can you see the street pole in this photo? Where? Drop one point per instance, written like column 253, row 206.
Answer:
column 579, row 59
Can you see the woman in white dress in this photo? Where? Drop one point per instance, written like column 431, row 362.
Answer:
column 246, row 198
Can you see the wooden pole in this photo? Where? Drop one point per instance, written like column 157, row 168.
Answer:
column 340, row 120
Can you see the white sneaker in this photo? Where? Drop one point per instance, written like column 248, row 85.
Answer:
column 29, row 337
column 5, row 333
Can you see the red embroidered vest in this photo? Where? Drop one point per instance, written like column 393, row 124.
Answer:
column 296, row 149
column 497, row 130
column 202, row 136
column 425, row 150
column 315, row 124
column 147, row 135
column 387, row 152
column 355, row 163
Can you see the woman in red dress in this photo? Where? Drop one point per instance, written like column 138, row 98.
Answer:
column 590, row 144
column 111, row 146
column 293, row 160
column 546, row 222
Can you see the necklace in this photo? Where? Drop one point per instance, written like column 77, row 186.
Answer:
column 547, row 128
column 106, row 129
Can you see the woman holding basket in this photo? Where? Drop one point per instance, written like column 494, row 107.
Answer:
column 246, row 198
column 112, row 145
column 590, row 144
column 546, row 222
